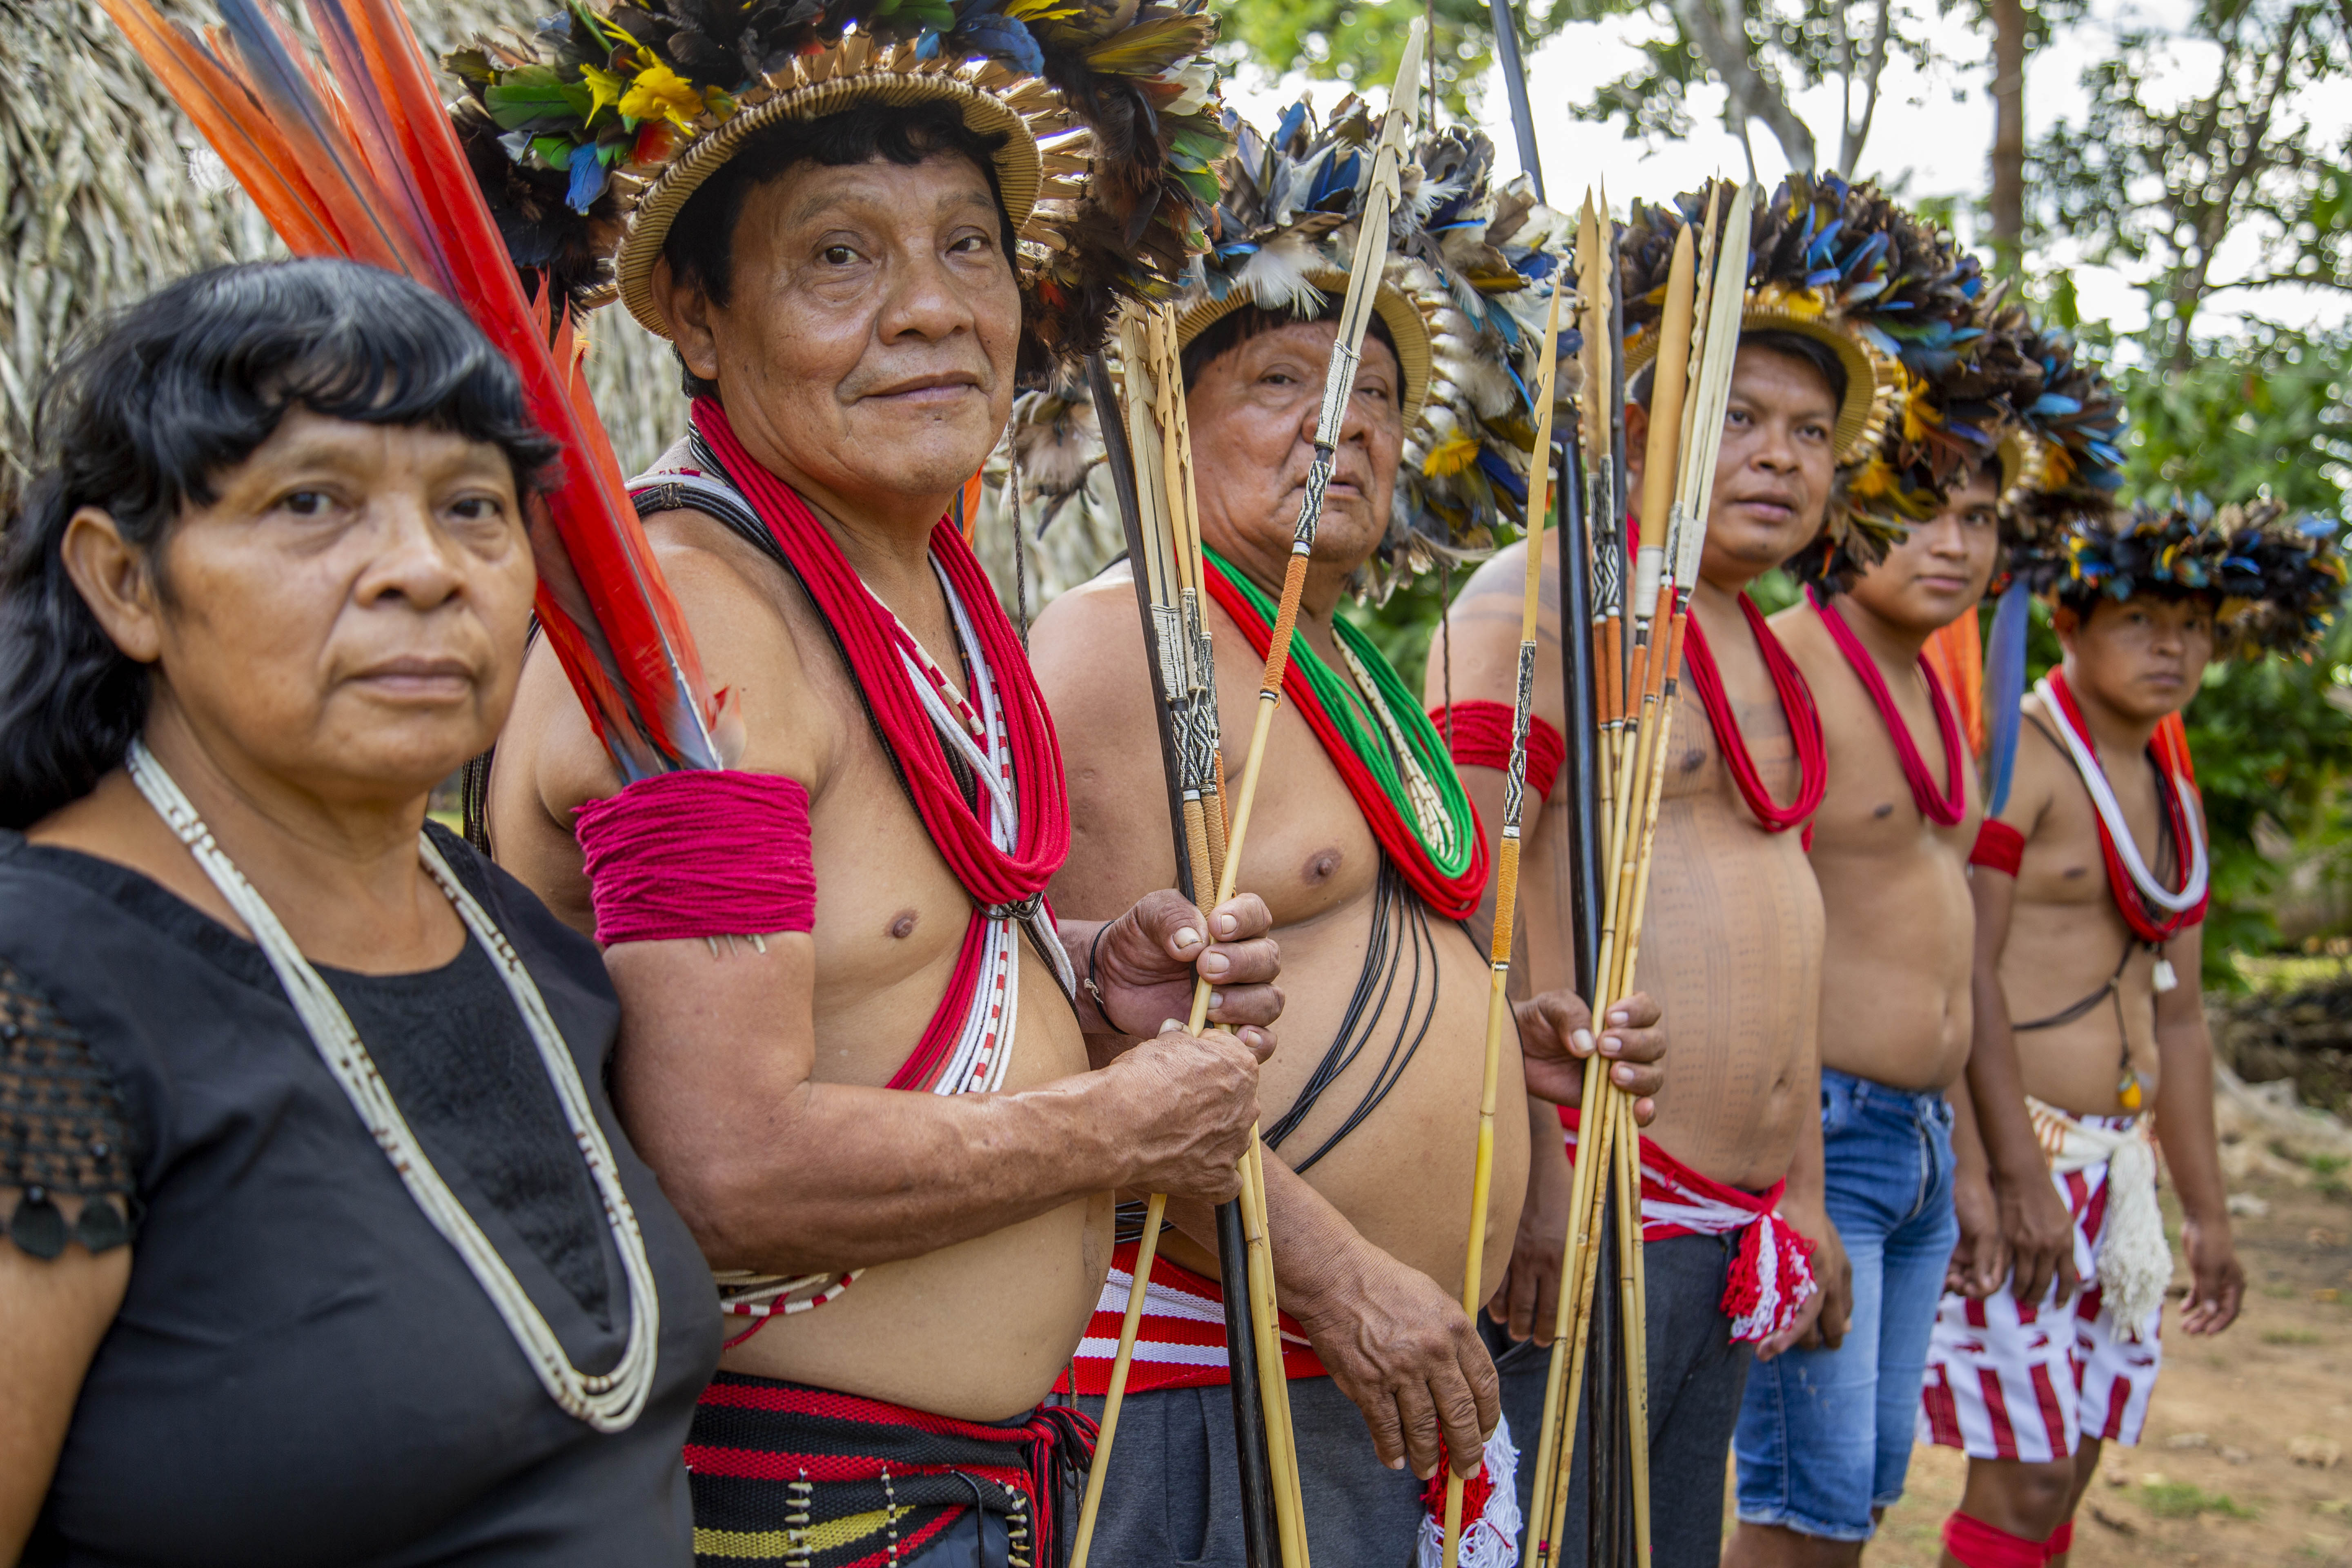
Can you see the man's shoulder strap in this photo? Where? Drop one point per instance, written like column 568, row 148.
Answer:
column 688, row 478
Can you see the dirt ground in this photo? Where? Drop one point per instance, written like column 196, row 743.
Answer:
column 2244, row 1458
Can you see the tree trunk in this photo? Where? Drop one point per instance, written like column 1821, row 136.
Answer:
column 2008, row 135
column 1724, row 44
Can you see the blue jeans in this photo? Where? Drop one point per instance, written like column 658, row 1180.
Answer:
column 1825, row 1436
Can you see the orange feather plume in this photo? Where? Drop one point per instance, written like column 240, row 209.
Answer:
column 359, row 161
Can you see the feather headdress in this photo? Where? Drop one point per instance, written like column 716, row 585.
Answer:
column 2062, row 470
column 2063, row 464
column 1974, row 411
column 1890, row 296
column 2277, row 579
column 1463, row 298
column 593, row 134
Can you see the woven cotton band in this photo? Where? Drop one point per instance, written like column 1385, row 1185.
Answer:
column 699, row 853
column 1999, row 847
column 1482, row 739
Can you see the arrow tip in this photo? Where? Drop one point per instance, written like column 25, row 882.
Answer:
column 1406, row 93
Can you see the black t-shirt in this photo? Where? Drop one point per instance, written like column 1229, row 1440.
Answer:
column 303, row 1371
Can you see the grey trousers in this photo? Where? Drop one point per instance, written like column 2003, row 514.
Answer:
column 1698, row 1375
column 976, row 1539
column 1172, row 1496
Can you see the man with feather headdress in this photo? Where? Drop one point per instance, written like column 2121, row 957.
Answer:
column 2090, row 1008
column 1825, row 1436
column 1734, row 941
column 858, row 227
column 1361, row 841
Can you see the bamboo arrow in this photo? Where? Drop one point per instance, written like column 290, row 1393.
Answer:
column 1608, row 1144
column 1506, row 872
column 1368, row 264
column 1186, row 712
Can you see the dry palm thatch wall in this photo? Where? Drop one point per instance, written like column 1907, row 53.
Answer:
column 106, row 193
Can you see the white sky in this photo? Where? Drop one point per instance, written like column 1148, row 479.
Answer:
column 1931, row 137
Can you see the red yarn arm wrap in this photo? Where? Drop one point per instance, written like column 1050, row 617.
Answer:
column 1482, row 738
column 699, row 854
column 1999, row 847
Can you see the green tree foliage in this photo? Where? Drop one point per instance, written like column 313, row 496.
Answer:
column 2265, row 416
column 2163, row 178
column 1763, row 52
column 2193, row 144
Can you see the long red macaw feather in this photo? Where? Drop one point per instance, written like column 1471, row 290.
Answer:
column 359, row 161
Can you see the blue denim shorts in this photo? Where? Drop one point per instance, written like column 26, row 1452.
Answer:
column 1825, row 1436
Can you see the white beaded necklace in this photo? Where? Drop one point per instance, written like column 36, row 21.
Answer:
column 610, row 1401
column 2103, row 798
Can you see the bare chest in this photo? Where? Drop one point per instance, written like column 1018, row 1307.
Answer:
column 2063, row 862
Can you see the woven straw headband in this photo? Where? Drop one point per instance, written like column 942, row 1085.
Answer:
column 1398, row 311
column 1020, row 168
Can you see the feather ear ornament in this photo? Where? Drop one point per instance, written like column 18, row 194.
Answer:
column 355, row 158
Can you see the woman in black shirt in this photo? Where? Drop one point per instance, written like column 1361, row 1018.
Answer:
column 323, row 1246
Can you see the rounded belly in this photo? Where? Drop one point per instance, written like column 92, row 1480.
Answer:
column 978, row 1330
column 1403, row 1175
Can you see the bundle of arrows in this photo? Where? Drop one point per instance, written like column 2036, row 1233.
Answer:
column 1634, row 641
column 1164, row 548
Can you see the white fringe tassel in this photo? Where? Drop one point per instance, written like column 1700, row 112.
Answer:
column 1492, row 1539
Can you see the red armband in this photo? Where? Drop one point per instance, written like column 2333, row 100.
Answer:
column 1999, row 847
column 1482, row 738
column 699, row 853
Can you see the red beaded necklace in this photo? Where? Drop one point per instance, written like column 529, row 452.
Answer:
column 1795, row 705
column 1945, row 808
column 2153, row 912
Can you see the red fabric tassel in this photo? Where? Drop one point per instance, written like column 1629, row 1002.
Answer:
column 1482, row 738
column 2060, row 1542
column 1476, row 1492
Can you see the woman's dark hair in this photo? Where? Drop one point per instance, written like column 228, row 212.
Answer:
column 146, row 413
column 700, row 247
column 1772, row 340
column 1236, row 328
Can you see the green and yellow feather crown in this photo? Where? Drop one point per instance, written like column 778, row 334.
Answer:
column 590, row 136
